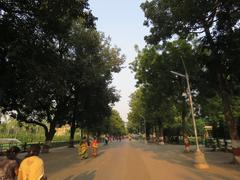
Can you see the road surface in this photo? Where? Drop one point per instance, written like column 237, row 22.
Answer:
column 137, row 161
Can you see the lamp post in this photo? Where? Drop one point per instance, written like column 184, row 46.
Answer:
column 200, row 161
column 191, row 105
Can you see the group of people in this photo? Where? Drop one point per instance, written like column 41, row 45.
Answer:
column 30, row 168
column 83, row 148
column 112, row 138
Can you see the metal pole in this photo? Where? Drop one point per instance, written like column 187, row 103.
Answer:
column 199, row 157
column 192, row 112
column 191, row 105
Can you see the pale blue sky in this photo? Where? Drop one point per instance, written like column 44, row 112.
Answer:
column 122, row 20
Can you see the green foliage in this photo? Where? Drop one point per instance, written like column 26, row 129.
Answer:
column 114, row 124
column 213, row 27
column 212, row 109
column 161, row 102
column 54, row 65
column 34, row 54
column 28, row 133
column 137, row 115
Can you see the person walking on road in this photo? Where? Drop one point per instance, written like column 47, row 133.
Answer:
column 186, row 143
column 83, row 150
column 94, row 146
column 32, row 167
column 106, row 139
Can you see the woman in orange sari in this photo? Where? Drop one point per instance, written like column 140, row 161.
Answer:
column 94, row 147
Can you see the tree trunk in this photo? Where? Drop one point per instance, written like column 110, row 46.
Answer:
column 48, row 137
column 72, row 132
column 231, row 121
column 147, row 131
column 225, row 91
column 81, row 133
column 155, row 133
column 161, row 139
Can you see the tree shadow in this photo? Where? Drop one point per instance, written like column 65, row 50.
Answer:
column 101, row 151
column 219, row 163
column 83, row 176
column 62, row 158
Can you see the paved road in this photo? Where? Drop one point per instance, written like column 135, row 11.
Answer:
column 137, row 161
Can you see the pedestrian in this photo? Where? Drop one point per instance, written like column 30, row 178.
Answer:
column 32, row 167
column 106, row 140
column 9, row 165
column 83, row 149
column 186, row 143
column 94, row 146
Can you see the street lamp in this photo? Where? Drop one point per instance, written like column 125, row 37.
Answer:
column 191, row 105
column 200, row 161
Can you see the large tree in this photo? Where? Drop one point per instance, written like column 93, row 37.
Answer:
column 136, row 116
column 35, row 58
column 162, row 91
column 215, row 24
column 91, row 94
column 114, row 125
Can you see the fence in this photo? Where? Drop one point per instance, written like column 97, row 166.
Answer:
column 24, row 146
column 219, row 144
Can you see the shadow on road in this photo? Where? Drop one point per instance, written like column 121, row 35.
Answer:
column 220, row 168
column 63, row 158
column 83, row 176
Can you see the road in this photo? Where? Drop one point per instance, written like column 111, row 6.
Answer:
column 137, row 161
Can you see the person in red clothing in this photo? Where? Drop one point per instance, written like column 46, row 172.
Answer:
column 94, row 146
column 186, row 143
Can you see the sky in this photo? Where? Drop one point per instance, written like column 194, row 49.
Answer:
column 122, row 20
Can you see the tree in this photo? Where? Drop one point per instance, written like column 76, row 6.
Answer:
column 136, row 116
column 89, row 82
column 162, row 91
column 33, row 58
column 215, row 24
column 114, row 124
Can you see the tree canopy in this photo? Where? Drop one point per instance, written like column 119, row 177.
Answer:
column 55, row 65
column 213, row 28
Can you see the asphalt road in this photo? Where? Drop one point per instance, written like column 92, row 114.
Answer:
column 136, row 161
